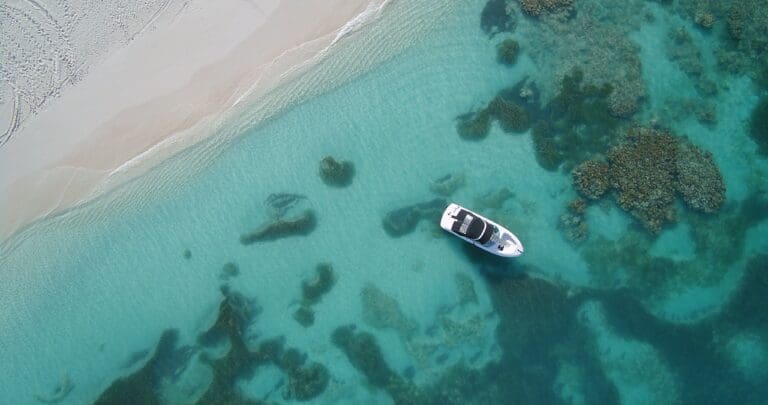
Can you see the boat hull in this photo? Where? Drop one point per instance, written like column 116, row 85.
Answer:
column 505, row 243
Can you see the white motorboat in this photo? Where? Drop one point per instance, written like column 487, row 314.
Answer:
column 480, row 231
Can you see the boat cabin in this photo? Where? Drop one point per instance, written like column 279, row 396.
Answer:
column 471, row 227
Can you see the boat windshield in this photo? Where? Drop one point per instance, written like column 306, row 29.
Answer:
column 469, row 226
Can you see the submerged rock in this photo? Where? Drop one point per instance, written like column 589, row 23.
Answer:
column 313, row 290
column 300, row 225
column 403, row 221
column 187, row 254
column 507, row 52
column 336, row 173
column 229, row 270
column 305, row 316
column 699, row 181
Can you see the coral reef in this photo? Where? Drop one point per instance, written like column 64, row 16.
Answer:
column 305, row 381
column 536, row 8
column 647, row 170
column 236, row 312
column 305, row 316
column 704, row 19
column 382, row 311
column 313, row 290
column 507, row 52
column 631, row 364
column 512, row 107
column 704, row 374
column 699, row 181
column 682, row 50
column 645, row 276
column 466, row 289
column 511, row 115
column 187, row 254
column 758, row 126
column 591, row 179
column 643, row 175
column 497, row 16
column 474, row 126
column 595, row 40
column 365, row 355
column 300, row 225
column 547, row 154
column 573, row 223
column 336, row 173
column 229, row 270
column 741, row 48
column 575, row 125
column 403, row 221
column 448, row 184
column 141, row 387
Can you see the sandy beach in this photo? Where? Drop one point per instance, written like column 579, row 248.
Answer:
column 150, row 94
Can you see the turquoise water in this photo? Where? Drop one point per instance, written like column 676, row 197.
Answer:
column 624, row 315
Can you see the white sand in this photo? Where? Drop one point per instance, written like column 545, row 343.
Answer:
column 156, row 90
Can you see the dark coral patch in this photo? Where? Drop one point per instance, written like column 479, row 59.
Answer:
column 507, row 52
column 143, row 386
column 497, row 17
column 301, row 225
column 305, row 316
column 512, row 116
column 647, row 170
column 536, row 8
column 643, row 174
column 758, row 126
column 591, row 179
column 313, row 290
column 403, row 221
column 336, row 173
column 474, row 126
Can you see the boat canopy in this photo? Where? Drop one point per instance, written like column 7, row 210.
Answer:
column 470, row 226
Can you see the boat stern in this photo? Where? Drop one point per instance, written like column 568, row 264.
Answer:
column 447, row 220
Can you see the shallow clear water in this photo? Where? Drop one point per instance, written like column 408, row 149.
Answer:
column 87, row 296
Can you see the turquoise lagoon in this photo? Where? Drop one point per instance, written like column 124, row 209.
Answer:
column 87, row 295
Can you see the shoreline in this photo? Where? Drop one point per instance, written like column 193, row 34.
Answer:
column 167, row 99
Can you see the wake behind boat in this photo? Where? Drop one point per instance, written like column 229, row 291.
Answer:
column 480, row 231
